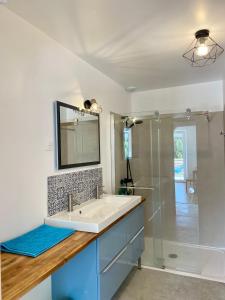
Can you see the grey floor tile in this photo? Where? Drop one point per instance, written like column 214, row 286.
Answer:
column 156, row 285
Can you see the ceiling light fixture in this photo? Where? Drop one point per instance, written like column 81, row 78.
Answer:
column 204, row 50
column 93, row 106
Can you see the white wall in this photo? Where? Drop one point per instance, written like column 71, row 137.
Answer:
column 34, row 72
column 41, row 291
column 198, row 97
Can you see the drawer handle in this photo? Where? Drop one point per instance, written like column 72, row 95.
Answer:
column 136, row 235
column 114, row 260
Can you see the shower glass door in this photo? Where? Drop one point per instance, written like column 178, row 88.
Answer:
column 155, row 215
column 179, row 166
column 192, row 160
column 142, row 143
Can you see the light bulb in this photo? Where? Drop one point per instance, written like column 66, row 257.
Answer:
column 202, row 48
column 94, row 107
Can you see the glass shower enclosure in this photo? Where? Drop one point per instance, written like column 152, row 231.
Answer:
column 177, row 163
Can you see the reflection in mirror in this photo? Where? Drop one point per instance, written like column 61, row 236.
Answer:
column 78, row 137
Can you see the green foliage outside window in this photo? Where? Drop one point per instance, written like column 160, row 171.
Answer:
column 179, row 148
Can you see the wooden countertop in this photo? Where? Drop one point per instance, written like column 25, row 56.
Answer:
column 21, row 273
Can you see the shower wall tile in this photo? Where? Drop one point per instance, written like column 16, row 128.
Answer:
column 82, row 184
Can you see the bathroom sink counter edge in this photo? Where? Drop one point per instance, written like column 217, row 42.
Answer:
column 20, row 273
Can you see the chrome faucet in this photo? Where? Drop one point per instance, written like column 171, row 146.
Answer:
column 98, row 193
column 71, row 202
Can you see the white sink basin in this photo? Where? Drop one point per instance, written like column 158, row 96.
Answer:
column 94, row 215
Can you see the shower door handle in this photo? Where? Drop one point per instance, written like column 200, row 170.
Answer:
column 152, row 188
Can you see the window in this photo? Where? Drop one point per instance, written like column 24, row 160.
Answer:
column 180, row 145
column 127, row 143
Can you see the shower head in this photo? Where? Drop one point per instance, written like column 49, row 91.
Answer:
column 130, row 122
column 135, row 122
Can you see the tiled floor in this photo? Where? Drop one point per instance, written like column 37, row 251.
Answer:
column 156, row 285
column 182, row 196
column 183, row 224
column 186, row 216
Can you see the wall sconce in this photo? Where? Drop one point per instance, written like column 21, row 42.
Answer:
column 93, row 106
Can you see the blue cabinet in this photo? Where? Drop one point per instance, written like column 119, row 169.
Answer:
column 117, row 237
column 77, row 279
column 118, row 251
column 97, row 272
column 136, row 246
column 135, row 221
column 114, row 274
column 110, row 243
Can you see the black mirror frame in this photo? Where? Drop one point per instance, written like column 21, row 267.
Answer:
column 58, row 137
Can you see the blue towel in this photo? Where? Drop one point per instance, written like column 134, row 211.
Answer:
column 37, row 241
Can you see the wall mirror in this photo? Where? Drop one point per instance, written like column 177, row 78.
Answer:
column 78, row 138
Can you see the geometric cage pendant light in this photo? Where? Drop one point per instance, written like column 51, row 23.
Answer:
column 203, row 50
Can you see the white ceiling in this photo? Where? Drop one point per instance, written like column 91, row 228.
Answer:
column 135, row 42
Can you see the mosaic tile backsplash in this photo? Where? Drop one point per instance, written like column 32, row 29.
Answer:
column 82, row 184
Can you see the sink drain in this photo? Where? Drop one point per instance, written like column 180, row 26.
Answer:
column 173, row 255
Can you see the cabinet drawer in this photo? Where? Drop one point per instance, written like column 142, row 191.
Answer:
column 135, row 221
column 136, row 246
column 114, row 274
column 111, row 243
